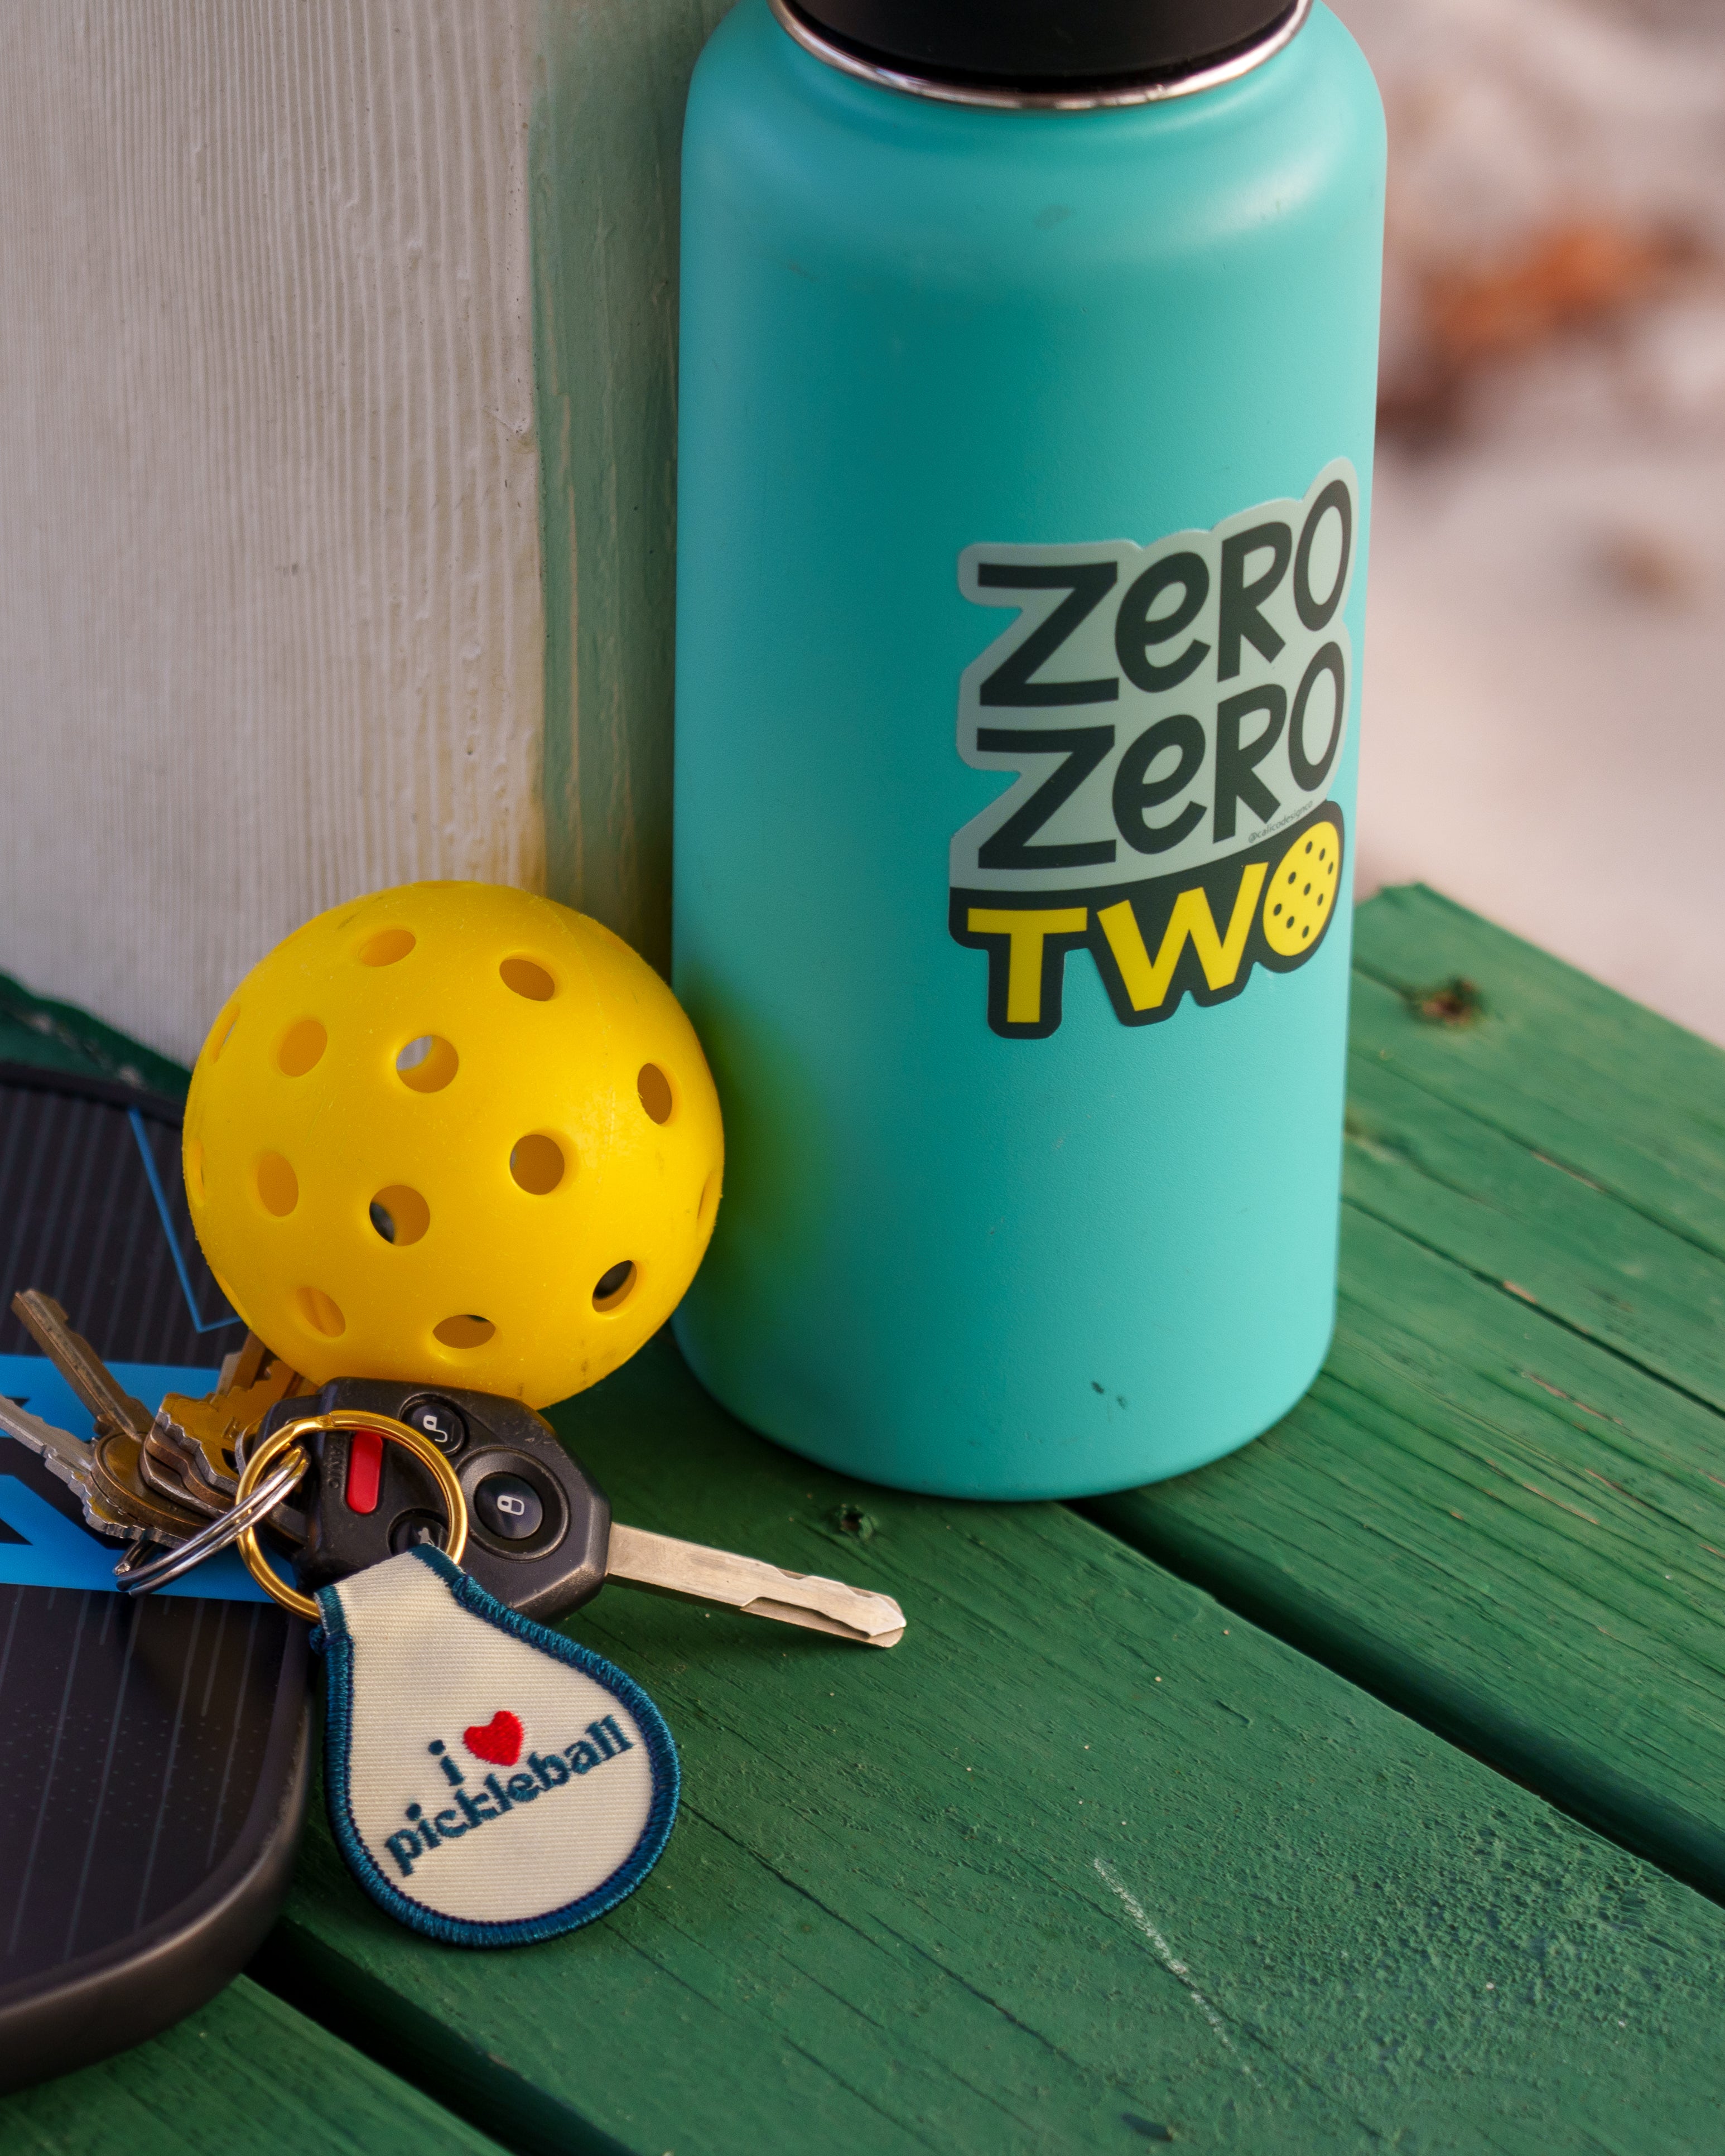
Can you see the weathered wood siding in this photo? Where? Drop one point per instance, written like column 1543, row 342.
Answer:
column 271, row 627
column 606, row 139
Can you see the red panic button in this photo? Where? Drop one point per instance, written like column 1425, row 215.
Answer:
column 365, row 1469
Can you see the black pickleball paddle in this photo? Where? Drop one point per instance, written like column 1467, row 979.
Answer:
column 155, row 1753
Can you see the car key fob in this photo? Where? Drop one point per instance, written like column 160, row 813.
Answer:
column 539, row 1527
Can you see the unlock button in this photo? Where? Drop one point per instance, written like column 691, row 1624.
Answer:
column 508, row 1506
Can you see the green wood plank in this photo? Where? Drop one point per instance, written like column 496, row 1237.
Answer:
column 245, row 2074
column 1501, row 1506
column 1558, row 1062
column 60, row 1037
column 1511, row 1214
column 603, row 162
column 1499, row 1526
column 1086, row 1862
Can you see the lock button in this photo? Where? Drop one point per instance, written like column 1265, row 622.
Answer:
column 440, row 1421
column 509, row 1506
column 540, row 1528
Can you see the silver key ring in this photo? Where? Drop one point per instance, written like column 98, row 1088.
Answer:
column 219, row 1535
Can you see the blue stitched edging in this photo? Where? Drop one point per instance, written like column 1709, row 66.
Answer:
column 338, row 1728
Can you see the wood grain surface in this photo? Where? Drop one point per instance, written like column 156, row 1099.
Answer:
column 57, row 1036
column 1560, row 1062
column 244, row 2076
column 270, row 615
column 1502, row 1506
column 1087, row 1862
column 1090, row 1861
column 606, row 142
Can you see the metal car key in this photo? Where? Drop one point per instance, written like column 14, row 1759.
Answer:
column 116, row 1474
column 139, row 1478
column 73, row 1460
column 542, row 1538
column 201, row 1436
column 110, row 1407
column 106, row 1472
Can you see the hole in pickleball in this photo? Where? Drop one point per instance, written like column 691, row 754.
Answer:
column 278, row 1187
column 386, row 946
column 708, row 1201
column 302, row 1045
column 537, row 1164
column 400, row 1215
column 219, row 1031
column 426, row 1063
column 655, row 1088
column 467, row 1330
column 321, row 1312
column 194, row 1169
column 614, row 1288
column 528, row 978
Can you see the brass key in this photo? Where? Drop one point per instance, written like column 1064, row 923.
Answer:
column 110, row 1407
column 201, row 1438
column 140, row 1476
column 75, row 1463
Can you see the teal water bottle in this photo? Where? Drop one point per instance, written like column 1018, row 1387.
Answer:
column 1028, row 370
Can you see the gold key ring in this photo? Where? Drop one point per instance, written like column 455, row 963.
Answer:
column 277, row 1442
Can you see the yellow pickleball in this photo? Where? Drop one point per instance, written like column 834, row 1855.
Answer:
column 1301, row 893
column 454, row 1133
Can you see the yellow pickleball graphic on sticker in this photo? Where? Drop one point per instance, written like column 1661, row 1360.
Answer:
column 1302, row 894
column 453, row 1133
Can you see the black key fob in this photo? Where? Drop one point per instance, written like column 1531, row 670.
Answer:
column 538, row 1527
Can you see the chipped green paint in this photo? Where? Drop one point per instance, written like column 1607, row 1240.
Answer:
column 245, row 2076
column 51, row 1036
column 1568, row 1067
column 1090, row 1861
column 602, row 158
column 1502, row 1506
column 1086, row 1855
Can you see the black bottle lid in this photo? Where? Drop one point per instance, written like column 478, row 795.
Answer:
column 1047, row 46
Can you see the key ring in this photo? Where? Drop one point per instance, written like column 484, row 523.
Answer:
column 169, row 1564
column 258, row 1457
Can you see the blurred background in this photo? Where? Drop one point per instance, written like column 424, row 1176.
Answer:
column 336, row 547
column 1544, row 720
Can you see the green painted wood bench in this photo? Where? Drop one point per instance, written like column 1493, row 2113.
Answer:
column 1363, row 1791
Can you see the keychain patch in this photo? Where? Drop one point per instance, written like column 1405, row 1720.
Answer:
column 490, row 1781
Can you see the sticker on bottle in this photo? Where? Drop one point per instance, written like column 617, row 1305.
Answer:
column 490, row 1782
column 1175, row 714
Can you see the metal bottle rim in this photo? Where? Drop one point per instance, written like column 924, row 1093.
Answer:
column 1006, row 98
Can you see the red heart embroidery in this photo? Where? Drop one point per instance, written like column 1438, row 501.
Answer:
column 498, row 1741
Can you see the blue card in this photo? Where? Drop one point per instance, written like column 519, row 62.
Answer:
column 41, row 1544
